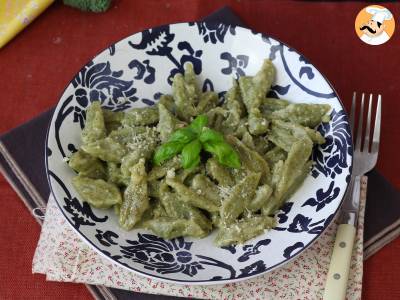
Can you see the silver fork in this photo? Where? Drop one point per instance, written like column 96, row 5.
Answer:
column 364, row 159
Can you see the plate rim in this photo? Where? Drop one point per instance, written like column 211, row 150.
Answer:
column 197, row 282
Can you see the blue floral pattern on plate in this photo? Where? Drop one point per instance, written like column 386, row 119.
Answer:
column 161, row 255
column 136, row 72
column 338, row 143
column 213, row 32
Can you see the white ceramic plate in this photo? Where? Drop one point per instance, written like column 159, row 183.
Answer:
column 134, row 72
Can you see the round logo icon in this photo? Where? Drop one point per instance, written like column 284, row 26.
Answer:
column 374, row 25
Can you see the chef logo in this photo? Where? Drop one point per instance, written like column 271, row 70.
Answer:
column 374, row 25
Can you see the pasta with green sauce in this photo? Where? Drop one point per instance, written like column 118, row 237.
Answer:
column 189, row 165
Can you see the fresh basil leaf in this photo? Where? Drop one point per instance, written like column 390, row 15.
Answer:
column 210, row 135
column 231, row 160
column 191, row 154
column 183, row 135
column 224, row 153
column 219, row 149
column 167, row 151
column 198, row 123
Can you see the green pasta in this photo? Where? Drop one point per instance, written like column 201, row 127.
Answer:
column 158, row 172
column 175, row 208
column 309, row 115
column 185, row 93
column 115, row 176
column 112, row 119
column 235, row 107
column 269, row 105
column 251, row 160
column 141, row 146
column 106, row 149
column 136, row 200
column 208, row 100
column 87, row 165
column 170, row 228
column 243, row 230
column 191, row 164
column 275, row 155
column 140, row 116
column 254, row 90
column 262, row 145
column 239, row 198
column 94, row 127
column 294, row 167
column 97, row 192
column 218, row 172
column 124, row 135
column 205, row 187
column 261, row 198
column 187, row 195
column 168, row 123
column 168, row 102
column 216, row 116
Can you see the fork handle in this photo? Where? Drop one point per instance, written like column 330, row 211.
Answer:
column 338, row 274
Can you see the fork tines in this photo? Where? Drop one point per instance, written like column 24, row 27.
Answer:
column 377, row 127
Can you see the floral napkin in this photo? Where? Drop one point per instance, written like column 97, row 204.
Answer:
column 63, row 256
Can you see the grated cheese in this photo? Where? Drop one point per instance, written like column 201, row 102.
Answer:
column 171, row 173
column 142, row 141
column 224, row 191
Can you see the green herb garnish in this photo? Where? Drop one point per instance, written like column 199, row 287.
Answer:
column 189, row 141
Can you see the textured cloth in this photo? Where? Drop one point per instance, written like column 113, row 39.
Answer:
column 63, row 256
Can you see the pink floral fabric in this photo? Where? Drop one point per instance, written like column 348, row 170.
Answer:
column 63, row 256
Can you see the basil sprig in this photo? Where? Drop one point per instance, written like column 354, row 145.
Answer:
column 189, row 141
column 191, row 154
